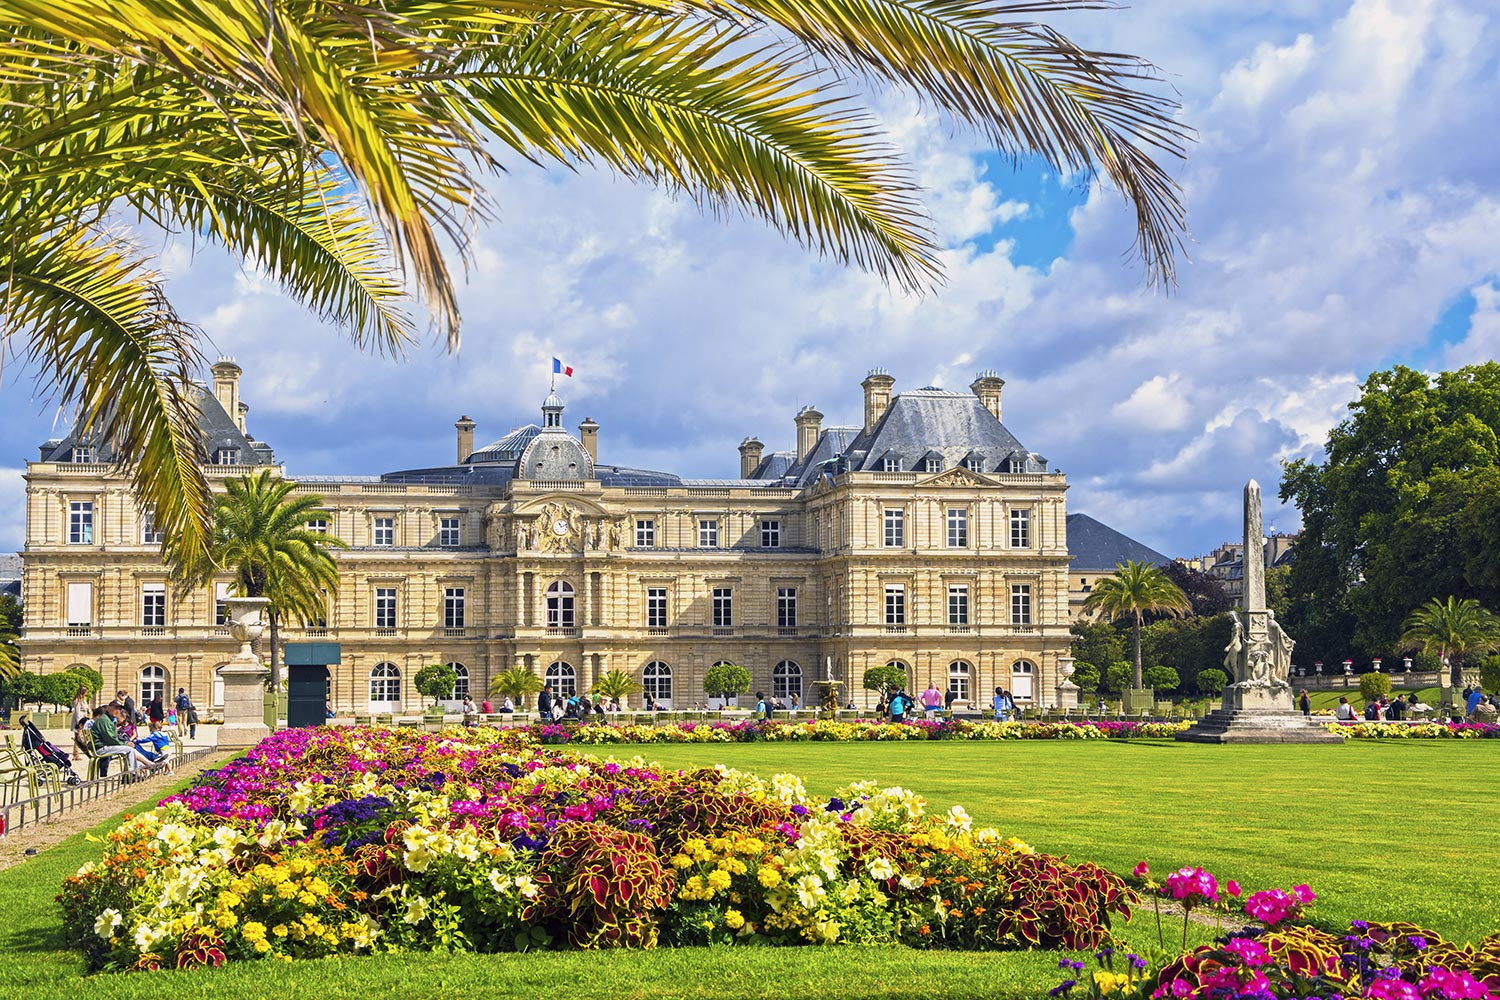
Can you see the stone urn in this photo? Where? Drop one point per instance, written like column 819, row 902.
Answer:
column 1067, row 691
column 244, row 676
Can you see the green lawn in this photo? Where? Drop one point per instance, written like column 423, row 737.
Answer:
column 1379, row 830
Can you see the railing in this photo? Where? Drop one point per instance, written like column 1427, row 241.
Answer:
column 79, row 631
column 221, row 630
column 645, row 491
column 723, row 630
column 153, row 631
column 565, row 631
column 315, row 631
column 454, row 632
column 788, row 631
column 382, row 631
column 656, row 630
column 895, row 630
column 385, row 488
column 958, row 630
column 554, row 485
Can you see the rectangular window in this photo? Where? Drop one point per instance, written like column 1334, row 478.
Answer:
column 723, row 607
column 318, row 524
column 656, row 607
column 82, row 454
column 448, row 532
column 153, row 605
column 958, row 604
column 385, row 531
column 645, row 533
column 1020, row 604
column 221, row 609
column 81, row 522
column 226, row 456
column 932, row 465
column 958, row 527
column 1020, row 528
column 150, row 533
column 895, row 604
column 890, row 464
column 385, row 607
column 80, row 604
column 770, row 534
column 895, row 527
column 786, row 607
column 453, row 607
column 708, row 534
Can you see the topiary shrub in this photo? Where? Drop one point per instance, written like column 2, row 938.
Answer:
column 1118, row 677
column 1212, row 680
column 1374, row 686
column 1160, row 678
column 1086, row 676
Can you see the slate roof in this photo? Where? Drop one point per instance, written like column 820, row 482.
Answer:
column 1098, row 548
column 216, row 428
column 919, row 423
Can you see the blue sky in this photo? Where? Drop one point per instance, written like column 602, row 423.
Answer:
column 1345, row 211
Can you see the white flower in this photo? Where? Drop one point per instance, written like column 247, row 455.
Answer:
column 810, row 891
column 526, row 887
column 227, row 836
column 175, row 835
column 911, row 881
column 418, row 859
column 272, row 834
column 146, row 935
column 850, row 892
column 986, row 835
column 881, row 869
column 959, row 819
column 106, row 922
column 416, row 910
column 498, row 882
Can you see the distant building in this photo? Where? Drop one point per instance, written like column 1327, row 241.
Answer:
column 10, row 575
column 1097, row 549
column 1227, row 562
column 926, row 536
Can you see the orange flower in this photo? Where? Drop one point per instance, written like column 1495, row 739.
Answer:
column 926, row 930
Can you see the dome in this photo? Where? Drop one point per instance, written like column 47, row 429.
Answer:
column 552, row 402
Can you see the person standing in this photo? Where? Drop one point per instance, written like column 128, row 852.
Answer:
column 998, row 704
column 1304, row 703
column 544, row 704
column 949, row 699
column 932, row 698
column 181, row 703
column 155, row 710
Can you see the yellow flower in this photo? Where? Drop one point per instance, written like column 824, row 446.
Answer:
column 734, row 919
column 279, row 930
column 253, row 931
column 680, row 861
column 718, row 879
column 769, row 877
column 1110, row 981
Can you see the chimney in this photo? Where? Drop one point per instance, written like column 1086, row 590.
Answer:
column 227, row 387
column 877, row 387
column 750, row 453
column 809, row 424
column 987, row 387
column 239, row 417
column 588, row 433
column 465, row 428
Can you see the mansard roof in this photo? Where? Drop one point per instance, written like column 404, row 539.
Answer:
column 1096, row 547
column 216, row 429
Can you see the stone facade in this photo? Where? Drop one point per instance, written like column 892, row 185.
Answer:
column 835, row 557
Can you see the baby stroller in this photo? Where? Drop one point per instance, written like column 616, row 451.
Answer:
column 38, row 746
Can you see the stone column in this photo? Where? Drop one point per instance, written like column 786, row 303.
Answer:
column 244, row 678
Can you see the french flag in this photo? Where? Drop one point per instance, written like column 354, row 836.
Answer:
column 558, row 368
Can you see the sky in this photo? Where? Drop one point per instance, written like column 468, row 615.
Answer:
column 1344, row 208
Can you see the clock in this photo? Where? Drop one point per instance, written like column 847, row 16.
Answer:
column 561, row 527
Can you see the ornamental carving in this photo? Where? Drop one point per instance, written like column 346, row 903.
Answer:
column 558, row 528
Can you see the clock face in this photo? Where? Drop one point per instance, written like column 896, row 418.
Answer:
column 561, row 526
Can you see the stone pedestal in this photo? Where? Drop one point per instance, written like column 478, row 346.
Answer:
column 244, row 678
column 1067, row 696
column 1258, row 725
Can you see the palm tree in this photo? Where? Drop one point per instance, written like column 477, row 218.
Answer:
column 261, row 535
column 1450, row 629
column 518, row 682
column 616, row 684
column 1135, row 589
column 337, row 146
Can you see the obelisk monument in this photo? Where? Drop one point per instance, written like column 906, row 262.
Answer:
column 1257, row 705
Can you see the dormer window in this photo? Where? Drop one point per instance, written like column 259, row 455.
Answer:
column 890, row 463
column 82, row 454
column 226, row 456
column 1015, row 465
column 933, row 465
column 974, row 463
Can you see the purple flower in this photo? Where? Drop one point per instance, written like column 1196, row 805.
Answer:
column 1062, row 987
column 1136, row 961
column 1418, row 942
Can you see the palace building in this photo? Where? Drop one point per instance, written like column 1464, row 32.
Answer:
column 927, row 536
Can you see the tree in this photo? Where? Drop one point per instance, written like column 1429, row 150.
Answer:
column 1204, row 592
column 1086, row 676
column 1160, row 678
column 1211, row 681
column 725, row 680
column 11, row 618
column 516, row 682
column 1097, row 642
column 615, row 684
column 1117, row 677
column 1136, row 589
column 1401, row 510
column 1188, row 645
column 88, row 678
column 337, row 146
column 1489, row 673
column 261, row 535
column 436, row 680
column 1451, row 629
column 886, row 678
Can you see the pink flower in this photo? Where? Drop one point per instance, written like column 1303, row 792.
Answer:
column 1249, row 952
column 1189, row 884
column 1233, row 888
column 1454, row 985
column 1303, row 893
column 1142, row 870
column 1392, row 989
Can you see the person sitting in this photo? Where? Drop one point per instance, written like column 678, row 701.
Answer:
column 470, row 712
column 107, row 741
column 1396, row 710
column 153, row 745
column 1372, row 711
column 507, row 707
column 1345, row 711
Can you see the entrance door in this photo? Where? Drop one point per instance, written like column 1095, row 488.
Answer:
column 385, row 689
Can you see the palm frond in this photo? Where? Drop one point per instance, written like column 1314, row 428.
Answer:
column 102, row 335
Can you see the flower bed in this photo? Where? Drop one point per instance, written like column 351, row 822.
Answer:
column 1417, row 730
column 823, row 730
column 324, row 841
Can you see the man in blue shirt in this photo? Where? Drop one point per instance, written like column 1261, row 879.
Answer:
column 1472, row 702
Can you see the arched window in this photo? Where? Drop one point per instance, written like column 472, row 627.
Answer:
column 561, row 679
column 218, row 692
column 786, row 680
column 902, row 667
column 560, row 605
column 153, row 683
column 1022, row 681
column 385, row 688
column 460, row 686
column 656, row 680
column 958, row 680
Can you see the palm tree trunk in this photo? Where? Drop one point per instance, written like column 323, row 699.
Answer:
column 1138, row 682
column 275, row 648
